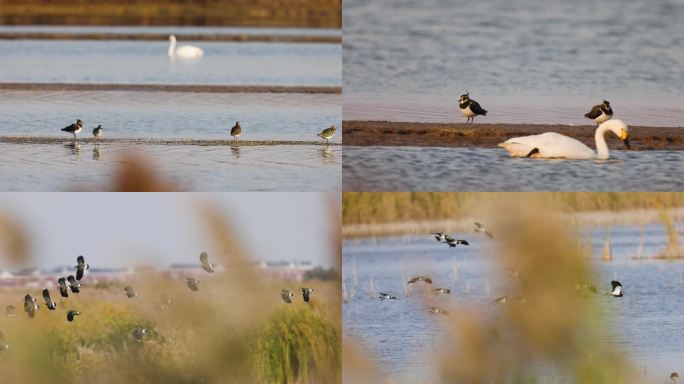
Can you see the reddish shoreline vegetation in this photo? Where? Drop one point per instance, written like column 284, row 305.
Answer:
column 389, row 133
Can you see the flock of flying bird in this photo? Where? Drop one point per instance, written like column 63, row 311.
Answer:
column 235, row 131
column 445, row 238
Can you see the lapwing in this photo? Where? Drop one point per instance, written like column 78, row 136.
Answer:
column 97, row 132
column 193, row 284
column 73, row 284
column 30, row 306
column 673, row 376
column 139, row 334
column 286, row 295
column 454, row 242
column 470, row 108
column 204, row 258
column 438, row 311
column 387, row 296
column 445, row 291
column 72, row 314
column 439, row 236
column 48, row 302
column 130, row 293
column 3, row 343
column 63, row 289
column 10, row 311
column 617, row 289
column 479, row 228
column 306, row 293
column 74, row 128
column 236, row 130
column 600, row 113
column 81, row 267
column 420, row 278
column 327, row 134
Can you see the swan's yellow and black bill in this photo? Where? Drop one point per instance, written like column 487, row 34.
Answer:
column 624, row 136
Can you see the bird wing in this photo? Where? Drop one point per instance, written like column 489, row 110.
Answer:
column 464, row 242
column 46, row 296
column 79, row 272
column 71, row 279
column 615, row 283
column 594, row 113
column 476, row 108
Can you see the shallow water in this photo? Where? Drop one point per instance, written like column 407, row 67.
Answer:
column 403, row 338
column 525, row 61
column 223, row 63
column 170, row 115
column 59, row 167
column 489, row 169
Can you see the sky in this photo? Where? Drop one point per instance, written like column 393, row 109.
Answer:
column 128, row 229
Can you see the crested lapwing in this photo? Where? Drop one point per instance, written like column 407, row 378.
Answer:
column 97, row 132
column 73, row 284
column 387, row 296
column 445, row 291
column 130, row 293
column 48, row 302
column 479, row 228
column 426, row 279
column 81, row 267
column 206, row 265
column 439, row 236
column 193, row 284
column 30, row 306
column 74, row 128
column 286, row 295
column 673, row 376
column 327, row 134
column 3, row 343
column 236, row 130
column 306, row 293
column 10, row 311
column 63, row 289
column 139, row 334
column 470, row 108
column 617, row 289
column 72, row 314
column 600, row 113
column 454, row 242
column 438, row 311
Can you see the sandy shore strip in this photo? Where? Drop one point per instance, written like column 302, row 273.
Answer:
column 309, row 89
column 152, row 141
column 230, row 38
column 388, row 133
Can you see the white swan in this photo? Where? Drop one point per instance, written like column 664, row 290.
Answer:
column 184, row 51
column 554, row 145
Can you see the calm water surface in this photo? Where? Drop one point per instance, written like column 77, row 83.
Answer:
column 402, row 337
column 489, row 169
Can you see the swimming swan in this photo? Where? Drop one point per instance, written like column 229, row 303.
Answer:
column 554, row 145
column 185, row 51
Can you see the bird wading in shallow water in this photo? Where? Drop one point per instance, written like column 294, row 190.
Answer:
column 236, row 130
column 74, row 128
column 327, row 134
column 97, row 132
column 470, row 108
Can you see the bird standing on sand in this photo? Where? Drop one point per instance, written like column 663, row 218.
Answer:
column 74, row 128
column 600, row 113
column 193, row 284
column 48, row 301
column 81, row 267
column 617, row 289
column 426, row 279
column 286, row 295
column 236, row 130
column 306, row 292
column 327, row 134
column 470, row 108
column 97, row 132
column 72, row 314
column 206, row 265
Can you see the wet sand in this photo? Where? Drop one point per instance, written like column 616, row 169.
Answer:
column 171, row 88
column 234, row 38
column 387, row 133
column 151, row 141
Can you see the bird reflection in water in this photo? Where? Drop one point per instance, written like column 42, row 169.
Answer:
column 74, row 147
column 97, row 154
column 235, row 150
column 327, row 154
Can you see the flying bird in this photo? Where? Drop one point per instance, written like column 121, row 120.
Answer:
column 48, row 302
column 130, row 292
column 74, row 285
column 63, row 289
column 81, row 266
column 470, row 108
column 481, row 228
column 30, row 306
column 617, row 289
column 387, row 296
column 193, row 284
column 438, row 311
column 139, row 334
column 286, row 295
column 306, row 292
column 445, row 291
column 74, row 128
column 420, row 278
column 453, row 242
column 439, row 236
column 10, row 311
column 72, row 314
column 600, row 113
column 209, row 267
column 236, row 130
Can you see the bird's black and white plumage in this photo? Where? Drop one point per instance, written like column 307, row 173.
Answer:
column 63, row 289
column 30, row 305
column 139, row 334
column 438, row 311
column 81, row 267
column 10, row 311
column 470, row 108
column 236, row 130
column 445, row 291
column 439, row 236
column 454, row 242
column 72, row 314
column 617, row 289
column 479, row 228
column 74, row 128
column 286, row 295
column 97, row 132
column 74, row 285
column 426, row 279
column 130, row 293
column 387, row 296
column 193, row 284
column 3, row 343
column 306, row 293
column 48, row 301
column 206, row 265
column 600, row 113
column 327, row 133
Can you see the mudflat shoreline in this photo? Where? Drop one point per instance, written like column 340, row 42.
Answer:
column 234, row 38
column 389, row 133
column 151, row 141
